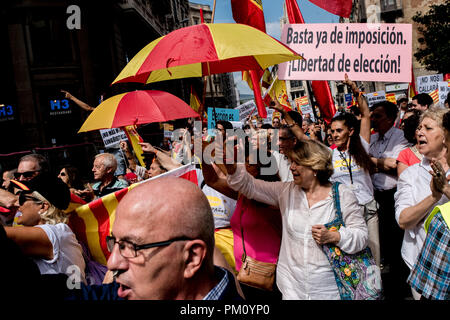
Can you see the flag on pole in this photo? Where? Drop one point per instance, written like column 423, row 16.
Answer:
column 278, row 91
column 412, row 86
column 194, row 101
column 250, row 12
column 342, row 8
column 93, row 221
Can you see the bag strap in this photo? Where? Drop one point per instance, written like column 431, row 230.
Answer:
column 337, row 202
column 242, row 232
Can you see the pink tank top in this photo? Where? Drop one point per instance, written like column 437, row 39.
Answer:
column 262, row 231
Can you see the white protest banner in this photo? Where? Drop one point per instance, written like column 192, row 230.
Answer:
column 444, row 89
column 112, row 137
column 366, row 52
column 246, row 109
column 427, row 84
column 375, row 97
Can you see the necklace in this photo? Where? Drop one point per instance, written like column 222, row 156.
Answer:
column 348, row 164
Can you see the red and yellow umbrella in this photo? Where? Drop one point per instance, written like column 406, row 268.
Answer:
column 205, row 49
column 137, row 107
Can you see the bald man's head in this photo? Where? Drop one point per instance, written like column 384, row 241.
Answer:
column 169, row 224
column 171, row 207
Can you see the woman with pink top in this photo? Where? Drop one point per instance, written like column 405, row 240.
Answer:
column 255, row 225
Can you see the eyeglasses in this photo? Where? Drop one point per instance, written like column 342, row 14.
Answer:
column 26, row 174
column 62, row 174
column 23, row 198
column 129, row 249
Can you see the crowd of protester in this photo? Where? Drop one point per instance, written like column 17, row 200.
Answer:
column 388, row 165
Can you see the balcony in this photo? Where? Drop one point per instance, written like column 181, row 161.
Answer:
column 387, row 6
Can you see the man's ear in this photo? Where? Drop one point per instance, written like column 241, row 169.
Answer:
column 195, row 253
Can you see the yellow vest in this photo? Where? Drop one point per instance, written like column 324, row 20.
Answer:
column 445, row 212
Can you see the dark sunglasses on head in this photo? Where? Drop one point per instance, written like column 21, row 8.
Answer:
column 23, row 197
column 26, row 174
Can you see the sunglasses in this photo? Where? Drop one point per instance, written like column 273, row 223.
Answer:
column 62, row 174
column 23, row 197
column 26, row 174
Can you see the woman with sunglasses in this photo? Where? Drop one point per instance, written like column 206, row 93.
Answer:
column 70, row 176
column 44, row 234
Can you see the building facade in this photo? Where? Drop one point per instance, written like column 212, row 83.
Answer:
column 78, row 46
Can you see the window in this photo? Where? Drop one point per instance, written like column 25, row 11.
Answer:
column 51, row 41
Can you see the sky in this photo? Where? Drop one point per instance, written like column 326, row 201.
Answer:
column 273, row 11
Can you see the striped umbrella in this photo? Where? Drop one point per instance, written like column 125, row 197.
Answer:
column 137, row 107
column 205, row 49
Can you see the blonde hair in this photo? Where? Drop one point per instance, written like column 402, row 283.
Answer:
column 53, row 215
column 436, row 114
column 315, row 155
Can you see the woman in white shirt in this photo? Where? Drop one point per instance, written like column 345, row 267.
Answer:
column 414, row 199
column 44, row 234
column 306, row 204
column 352, row 164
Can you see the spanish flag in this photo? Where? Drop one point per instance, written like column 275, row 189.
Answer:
column 250, row 12
column 194, row 101
column 92, row 222
column 134, row 138
column 412, row 86
column 278, row 91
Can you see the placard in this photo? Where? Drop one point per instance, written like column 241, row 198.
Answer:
column 429, row 83
column 374, row 97
column 112, row 137
column 366, row 52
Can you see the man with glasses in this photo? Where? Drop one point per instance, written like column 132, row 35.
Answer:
column 162, row 249
column 30, row 167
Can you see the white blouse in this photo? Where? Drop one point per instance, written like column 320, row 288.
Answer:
column 414, row 186
column 303, row 270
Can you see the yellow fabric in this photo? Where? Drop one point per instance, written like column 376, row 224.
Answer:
column 133, row 66
column 445, row 212
column 228, row 40
column 194, row 102
column 231, row 40
column 134, row 139
column 278, row 91
column 102, row 117
column 224, row 242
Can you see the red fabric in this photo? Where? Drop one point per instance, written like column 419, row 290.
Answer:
column 249, row 13
column 130, row 110
column 257, row 93
column 406, row 156
column 201, row 16
column 322, row 92
column 185, row 46
column 262, row 231
column 412, row 85
column 341, row 8
column 321, row 89
column 293, row 11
